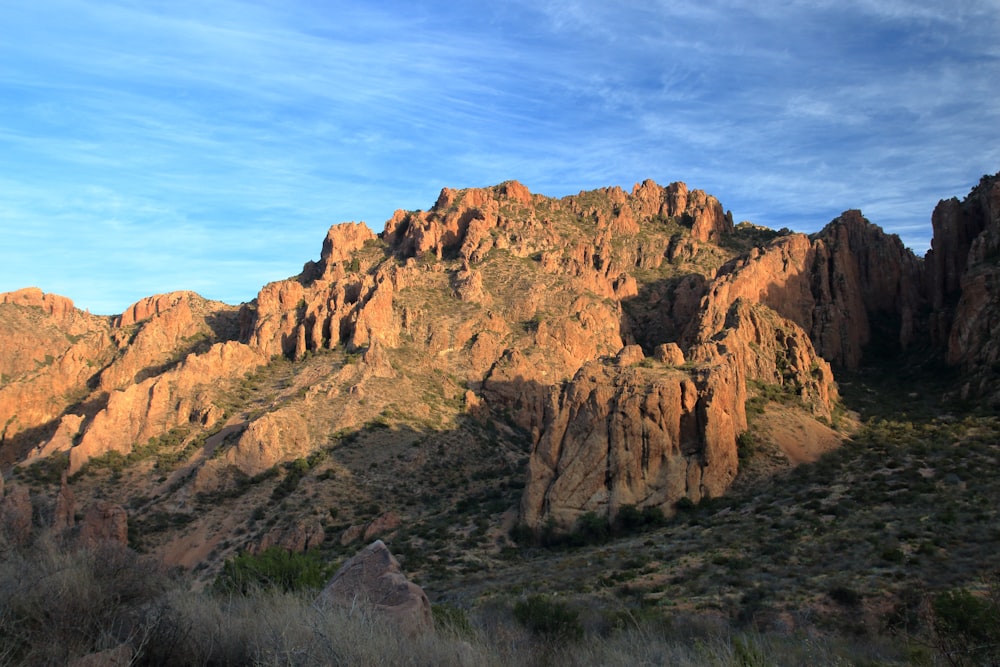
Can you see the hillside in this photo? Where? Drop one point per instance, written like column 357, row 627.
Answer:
column 507, row 365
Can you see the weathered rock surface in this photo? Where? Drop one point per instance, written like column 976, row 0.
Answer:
column 372, row 580
column 832, row 286
column 771, row 350
column 630, row 435
column 610, row 332
column 297, row 537
column 49, row 355
column 160, row 331
column 52, row 304
column 273, row 438
column 158, row 404
column 103, row 522
column 64, row 515
column 963, row 268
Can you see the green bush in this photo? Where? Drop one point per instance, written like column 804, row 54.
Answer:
column 746, row 445
column 551, row 618
column 590, row 529
column 274, row 568
column 966, row 628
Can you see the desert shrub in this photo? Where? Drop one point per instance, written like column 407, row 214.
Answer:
column 48, row 470
column 966, row 628
column 684, row 504
column 590, row 529
column 746, row 445
column 57, row 604
column 551, row 618
column 630, row 520
column 847, row 597
column 274, row 568
column 452, row 619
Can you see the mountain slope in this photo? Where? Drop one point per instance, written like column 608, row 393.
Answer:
column 502, row 358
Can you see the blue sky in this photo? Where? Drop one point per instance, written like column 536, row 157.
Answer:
column 152, row 146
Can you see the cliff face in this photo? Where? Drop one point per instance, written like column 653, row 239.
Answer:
column 50, row 353
column 833, row 286
column 606, row 342
column 963, row 270
column 626, row 434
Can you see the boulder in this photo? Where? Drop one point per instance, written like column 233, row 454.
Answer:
column 373, row 581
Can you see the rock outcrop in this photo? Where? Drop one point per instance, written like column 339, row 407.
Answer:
column 103, row 522
column 373, row 581
column 625, row 434
column 158, row 404
column 31, row 297
column 275, row 437
column 963, row 276
column 833, row 286
column 612, row 335
column 50, row 354
column 297, row 537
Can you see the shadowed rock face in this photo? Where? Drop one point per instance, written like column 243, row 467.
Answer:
column 371, row 581
column 832, row 286
column 963, row 269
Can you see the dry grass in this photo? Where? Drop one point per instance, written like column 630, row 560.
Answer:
column 58, row 605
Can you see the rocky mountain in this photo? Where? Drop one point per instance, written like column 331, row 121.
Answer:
column 502, row 358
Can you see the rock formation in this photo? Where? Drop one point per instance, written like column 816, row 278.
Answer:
column 963, row 270
column 833, row 286
column 611, row 337
column 297, row 537
column 277, row 436
column 624, row 434
column 158, row 404
column 373, row 581
column 103, row 522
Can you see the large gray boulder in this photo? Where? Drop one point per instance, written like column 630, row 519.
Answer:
column 373, row 581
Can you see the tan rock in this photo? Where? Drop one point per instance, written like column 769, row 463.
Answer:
column 669, row 353
column 377, row 361
column 634, row 436
column 342, row 241
column 58, row 306
column 964, row 281
column 772, row 350
column 276, row 437
column 63, row 439
column 146, row 308
column 167, row 326
column 103, row 522
column 831, row 287
column 372, row 580
column 158, row 404
column 630, row 355
column 299, row 536
column 351, row 534
column 469, row 286
column 382, row 525
column 49, row 355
